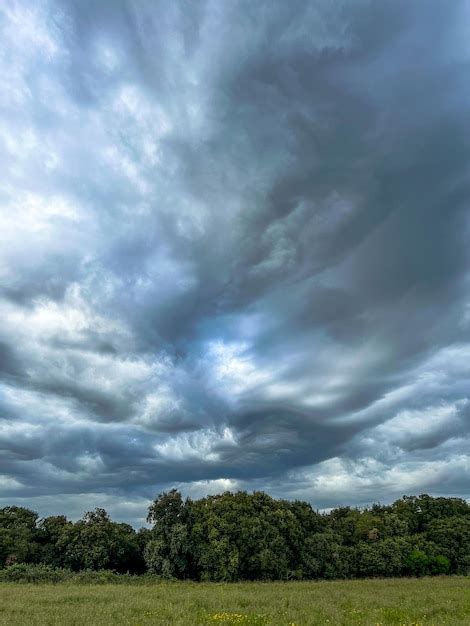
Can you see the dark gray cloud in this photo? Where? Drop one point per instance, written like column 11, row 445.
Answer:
column 233, row 251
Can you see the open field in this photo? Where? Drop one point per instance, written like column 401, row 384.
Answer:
column 387, row 601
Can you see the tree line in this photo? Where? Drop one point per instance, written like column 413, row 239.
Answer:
column 249, row 536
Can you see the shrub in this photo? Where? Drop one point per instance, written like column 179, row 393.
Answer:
column 34, row 573
column 417, row 563
column 439, row 565
column 30, row 573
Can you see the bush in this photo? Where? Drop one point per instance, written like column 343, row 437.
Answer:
column 29, row 573
column 439, row 565
column 100, row 577
column 34, row 573
column 419, row 563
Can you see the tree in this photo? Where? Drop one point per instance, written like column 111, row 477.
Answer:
column 250, row 536
column 324, row 556
column 50, row 530
column 167, row 555
column 17, row 535
column 95, row 542
column 167, row 552
column 381, row 558
column 166, row 510
column 419, row 511
column 452, row 536
column 344, row 522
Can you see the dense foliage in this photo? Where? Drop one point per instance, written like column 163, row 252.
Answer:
column 242, row 536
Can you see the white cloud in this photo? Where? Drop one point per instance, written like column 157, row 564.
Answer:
column 233, row 369
column 203, row 445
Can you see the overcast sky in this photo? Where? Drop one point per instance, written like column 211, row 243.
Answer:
column 234, row 251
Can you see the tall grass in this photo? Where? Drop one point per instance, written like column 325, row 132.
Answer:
column 417, row 602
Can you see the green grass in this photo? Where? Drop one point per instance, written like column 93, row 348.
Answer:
column 423, row 601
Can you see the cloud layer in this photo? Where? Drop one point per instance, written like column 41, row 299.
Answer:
column 233, row 251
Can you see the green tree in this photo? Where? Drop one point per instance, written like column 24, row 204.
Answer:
column 17, row 535
column 452, row 536
column 95, row 542
column 419, row 511
column 167, row 552
column 324, row 556
column 381, row 558
column 50, row 530
column 250, row 536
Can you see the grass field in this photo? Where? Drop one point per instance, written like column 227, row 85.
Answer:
column 393, row 601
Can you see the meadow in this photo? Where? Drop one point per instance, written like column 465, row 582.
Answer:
column 404, row 601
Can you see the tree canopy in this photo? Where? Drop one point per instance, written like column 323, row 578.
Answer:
column 250, row 536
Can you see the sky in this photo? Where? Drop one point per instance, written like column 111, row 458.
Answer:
column 233, row 251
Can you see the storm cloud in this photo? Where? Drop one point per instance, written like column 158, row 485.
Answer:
column 233, row 251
